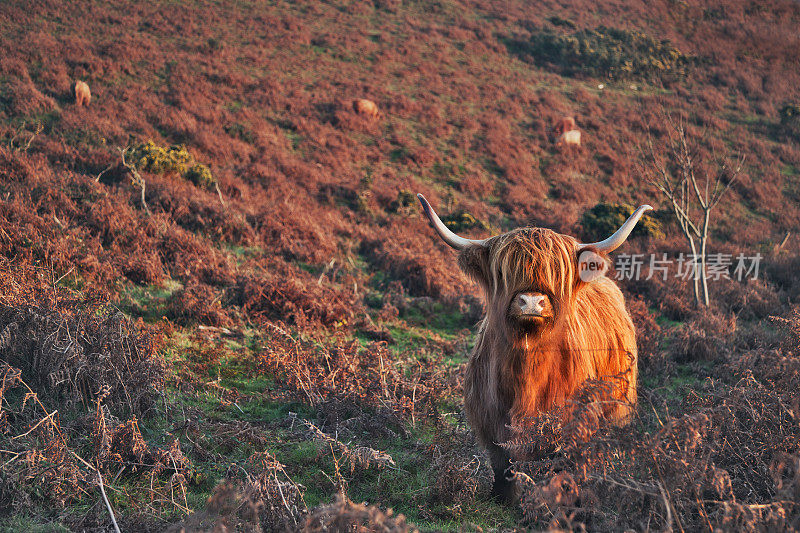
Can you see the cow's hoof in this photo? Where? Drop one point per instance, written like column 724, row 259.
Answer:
column 504, row 490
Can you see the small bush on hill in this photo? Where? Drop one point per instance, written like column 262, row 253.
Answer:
column 69, row 357
column 404, row 200
column 200, row 175
column 150, row 157
column 461, row 220
column 555, row 20
column 601, row 52
column 790, row 118
column 70, row 374
column 292, row 299
column 606, row 217
column 343, row 514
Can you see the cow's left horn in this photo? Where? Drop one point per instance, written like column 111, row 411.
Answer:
column 619, row 237
column 459, row 243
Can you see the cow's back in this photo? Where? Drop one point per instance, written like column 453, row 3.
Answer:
column 572, row 137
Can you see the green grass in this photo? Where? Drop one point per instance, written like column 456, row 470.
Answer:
column 415, row 330
column 686, row 378
column 408, row 488
column 398, row 153
column 443, row 320
column 242, row 254
column 790, row 170
column 666, row 322
column 149, row 301
column 29, row 524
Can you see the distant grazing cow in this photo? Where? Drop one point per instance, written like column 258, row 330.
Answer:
column 362, row 106
column 570, row 137
column 82, row 94
column 553, row 320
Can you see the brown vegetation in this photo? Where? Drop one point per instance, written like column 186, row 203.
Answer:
column 316, row 281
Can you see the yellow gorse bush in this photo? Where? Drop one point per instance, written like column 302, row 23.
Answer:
column 150, row 157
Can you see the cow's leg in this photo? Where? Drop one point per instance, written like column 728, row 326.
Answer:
column 503, row 488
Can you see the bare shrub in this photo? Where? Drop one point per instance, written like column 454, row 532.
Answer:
column 707, row 337
column 371, row 377
column 457, row 478
column 727, row 462
column 71, row 356
column 344, row 515
column 294, row 300
column 198, row 303
column 361, row 457
column 266, row 499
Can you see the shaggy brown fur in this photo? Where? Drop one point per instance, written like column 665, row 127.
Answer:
column 82, row 94
column 362, row 106
column 564, row 125
column 520, row 368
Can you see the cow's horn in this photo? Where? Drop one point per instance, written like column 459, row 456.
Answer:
column 619, row 237
column 459, row 243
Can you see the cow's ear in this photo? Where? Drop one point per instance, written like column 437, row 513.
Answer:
column 474, row 261
column 592, row 265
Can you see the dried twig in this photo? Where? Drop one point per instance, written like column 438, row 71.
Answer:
column 27, row 145
column 219, row 193
column 40, row 422
column 105, row 499
column 109, row 167
column 137, row 178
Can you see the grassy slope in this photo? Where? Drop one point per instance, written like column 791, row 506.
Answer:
column 261, row 92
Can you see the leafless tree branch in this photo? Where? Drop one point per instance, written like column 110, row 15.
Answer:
column 692, row 190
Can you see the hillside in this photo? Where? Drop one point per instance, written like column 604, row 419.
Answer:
column 275, row 311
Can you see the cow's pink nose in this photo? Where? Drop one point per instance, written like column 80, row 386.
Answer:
column 531, row 304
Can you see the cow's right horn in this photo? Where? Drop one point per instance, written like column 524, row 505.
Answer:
column 459, row 243
column 619, row 237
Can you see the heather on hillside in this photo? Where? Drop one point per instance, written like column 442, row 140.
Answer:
column 221, row 304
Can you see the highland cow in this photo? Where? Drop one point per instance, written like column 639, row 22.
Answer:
column 82, row 94
column 553, row 321
column 566, row 132
column 362, row 106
